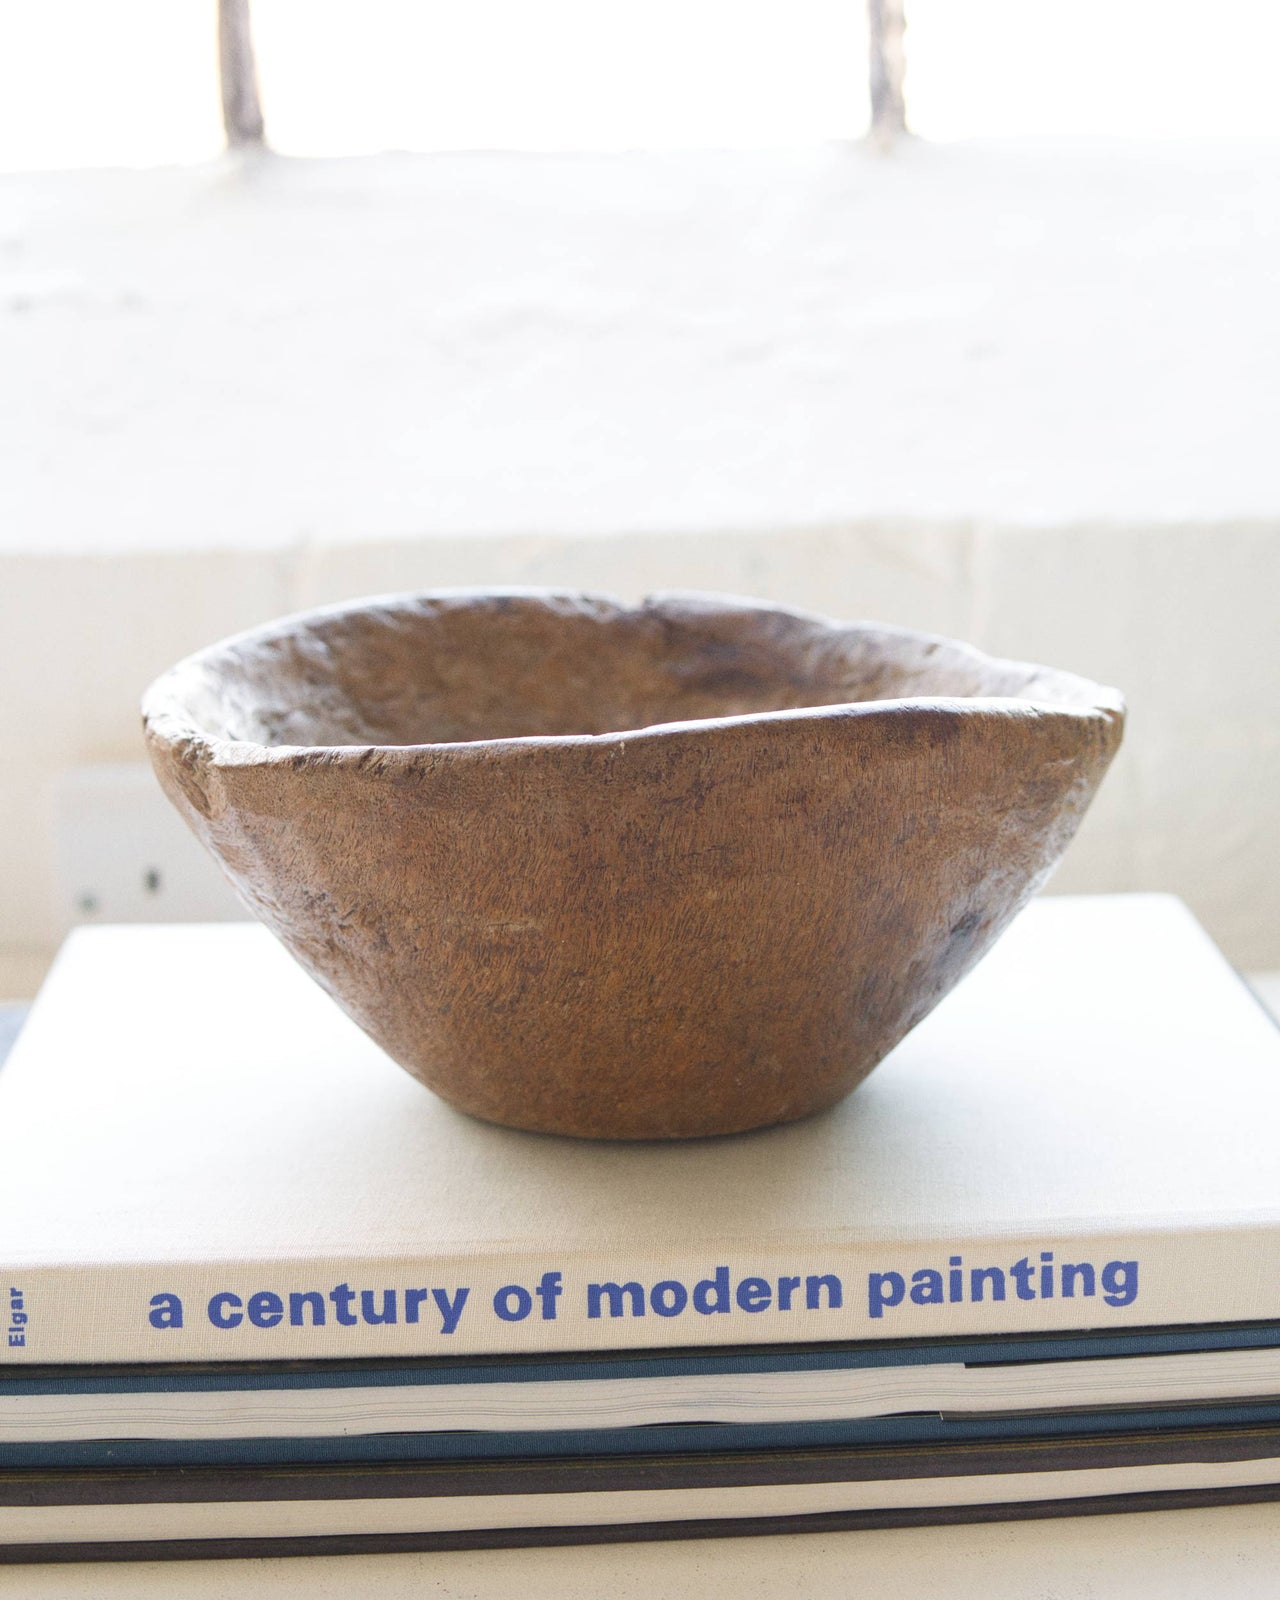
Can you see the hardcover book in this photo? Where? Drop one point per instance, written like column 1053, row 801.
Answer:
column 203, row 1160
column 457, row 1505
column 765, row 1398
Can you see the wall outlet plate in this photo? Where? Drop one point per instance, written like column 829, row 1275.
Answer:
column 125, row 855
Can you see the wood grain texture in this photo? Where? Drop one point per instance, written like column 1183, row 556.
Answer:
column 687, row 868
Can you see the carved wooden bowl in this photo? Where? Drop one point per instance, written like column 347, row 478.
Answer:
column 686, row 868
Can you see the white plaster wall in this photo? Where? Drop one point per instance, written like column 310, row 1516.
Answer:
column 1027, row 398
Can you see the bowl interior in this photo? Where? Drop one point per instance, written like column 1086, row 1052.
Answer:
column 463, row 667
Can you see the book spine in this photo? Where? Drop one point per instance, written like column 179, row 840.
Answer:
column 528, row 1303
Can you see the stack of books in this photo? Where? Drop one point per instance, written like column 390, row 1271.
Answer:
column 266, row 1294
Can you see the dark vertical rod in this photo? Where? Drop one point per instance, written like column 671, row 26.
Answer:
column 886, row 23
column 241, row 104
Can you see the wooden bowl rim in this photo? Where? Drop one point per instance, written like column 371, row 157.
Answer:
column 170, row 722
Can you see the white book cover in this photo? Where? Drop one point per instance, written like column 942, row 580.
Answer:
column 201, row 1158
